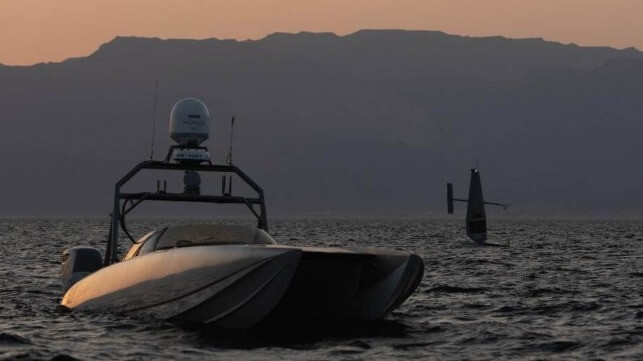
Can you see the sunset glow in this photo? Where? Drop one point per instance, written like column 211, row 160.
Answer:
column 34, row 31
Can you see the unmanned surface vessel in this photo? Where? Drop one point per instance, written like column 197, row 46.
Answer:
column 227, row 275
column 476, row 215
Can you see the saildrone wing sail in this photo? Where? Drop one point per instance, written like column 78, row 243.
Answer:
column 476, row 216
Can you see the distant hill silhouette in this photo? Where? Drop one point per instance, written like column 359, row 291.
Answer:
column 371, row 123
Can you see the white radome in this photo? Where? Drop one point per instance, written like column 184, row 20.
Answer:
column 189, row 122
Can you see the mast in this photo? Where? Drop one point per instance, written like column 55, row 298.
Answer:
column 189, row 127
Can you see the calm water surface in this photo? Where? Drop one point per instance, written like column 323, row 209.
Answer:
column 562, row 290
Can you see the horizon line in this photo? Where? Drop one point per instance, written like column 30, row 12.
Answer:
column 338, row 35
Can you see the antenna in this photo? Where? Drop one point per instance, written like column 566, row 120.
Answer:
column 229, row 157
column 156, row 96
column 224, row 191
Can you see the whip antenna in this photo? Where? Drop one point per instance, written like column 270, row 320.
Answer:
column 229, row 158
column 156, row 97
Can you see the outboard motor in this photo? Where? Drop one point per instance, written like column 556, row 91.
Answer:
column 77, row 263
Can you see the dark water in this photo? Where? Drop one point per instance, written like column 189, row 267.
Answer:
column 562, row 290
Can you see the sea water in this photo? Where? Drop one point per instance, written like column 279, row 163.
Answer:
column 560, row 290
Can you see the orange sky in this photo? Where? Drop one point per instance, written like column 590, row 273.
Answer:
column 33, row 31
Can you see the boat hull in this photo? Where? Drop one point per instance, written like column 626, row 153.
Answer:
column 239, row 286
column 335, row 284
column 172, row 284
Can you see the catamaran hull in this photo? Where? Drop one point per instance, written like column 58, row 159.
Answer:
column 236, row 286
column 333, row 284
column 239, row 286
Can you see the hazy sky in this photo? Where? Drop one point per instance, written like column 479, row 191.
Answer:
column 51, row 30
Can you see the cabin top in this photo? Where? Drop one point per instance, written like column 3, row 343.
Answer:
column 198, row 235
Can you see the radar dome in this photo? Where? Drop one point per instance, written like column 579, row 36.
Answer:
column 189, row 122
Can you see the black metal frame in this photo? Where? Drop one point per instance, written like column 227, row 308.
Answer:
column 132, row 200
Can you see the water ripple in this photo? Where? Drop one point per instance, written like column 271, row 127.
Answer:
column 562, row 290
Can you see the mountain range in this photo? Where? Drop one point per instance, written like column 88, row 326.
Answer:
column 373, row 123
